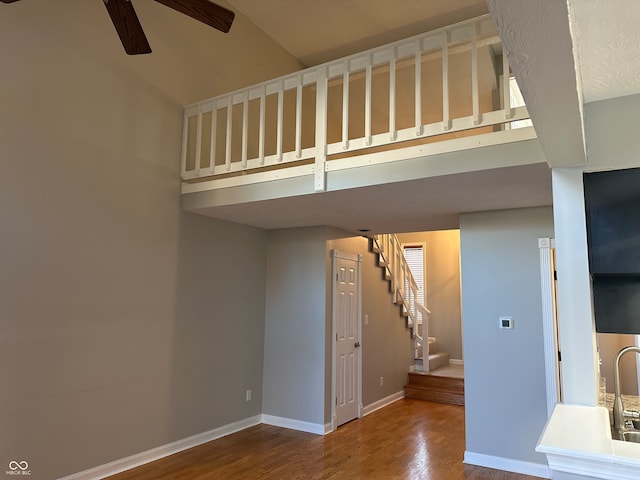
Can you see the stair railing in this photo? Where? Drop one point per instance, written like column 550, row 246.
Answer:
column 405, row 291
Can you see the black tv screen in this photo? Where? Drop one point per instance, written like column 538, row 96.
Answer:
column 613, row 221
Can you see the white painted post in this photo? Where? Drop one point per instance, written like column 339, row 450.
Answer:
column 345, row 106
column 446, row 121
column 320, row 181
column 367, row 102
column 214, row 131
column 506, row 94
column 418, row 88
column 196, row 164
column 549, row 324
column 261, row 139
column 245, row 128
column 185, row 141
column 299, row 117
column 576, row 320
column 393, row 133
column 474, row 73
column 227, row 160
column 280, row 133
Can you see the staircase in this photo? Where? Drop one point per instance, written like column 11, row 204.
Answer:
column 436, row 360
column 404, row 290
column 429, row 380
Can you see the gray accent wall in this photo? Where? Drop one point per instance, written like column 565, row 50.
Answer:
column 295, row 338
column 124, row 324
column 505, row 391
column 298, row 325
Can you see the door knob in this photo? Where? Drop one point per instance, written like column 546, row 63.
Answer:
column 357, row 344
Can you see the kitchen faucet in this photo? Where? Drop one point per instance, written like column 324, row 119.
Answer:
column 618, row 408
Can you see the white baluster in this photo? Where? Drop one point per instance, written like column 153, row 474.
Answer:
column 446, row 121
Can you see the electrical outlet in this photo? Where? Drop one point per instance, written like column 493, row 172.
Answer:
column 381, row 381
column 248, row 395
column 366, row 319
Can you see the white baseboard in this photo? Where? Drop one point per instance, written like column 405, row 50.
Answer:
column 383, row 402
column 317, row 428
column 507, row 464
column 157, row 453
column 456, row 361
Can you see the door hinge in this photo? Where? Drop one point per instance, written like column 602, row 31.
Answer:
column 559, row 356
column 336, row 400
column 555, row 275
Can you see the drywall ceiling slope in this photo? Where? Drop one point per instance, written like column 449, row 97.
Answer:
column 537, row 39
column 319, row 31
column 607, row 45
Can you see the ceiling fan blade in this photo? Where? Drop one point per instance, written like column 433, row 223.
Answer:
column 128, row 26
column 8, row 1
column 204, row 11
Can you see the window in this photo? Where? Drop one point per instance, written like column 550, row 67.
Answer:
column 415, row 259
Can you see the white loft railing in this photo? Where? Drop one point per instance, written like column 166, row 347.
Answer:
column 440, row 82
column 405, row 291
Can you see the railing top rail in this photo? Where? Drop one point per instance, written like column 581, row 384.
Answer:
column 483, row 19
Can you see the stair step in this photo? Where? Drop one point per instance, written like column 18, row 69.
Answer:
column 421, row 393
column 436, row 382
column 437, row 360
column 435, row 388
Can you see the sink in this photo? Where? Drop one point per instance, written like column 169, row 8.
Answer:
column 631, row 436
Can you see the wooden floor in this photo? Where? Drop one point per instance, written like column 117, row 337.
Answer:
column 410, row 439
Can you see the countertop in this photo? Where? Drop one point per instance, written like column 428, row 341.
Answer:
column 577, row 439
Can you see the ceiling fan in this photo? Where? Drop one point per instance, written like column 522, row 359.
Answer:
column 130, row 31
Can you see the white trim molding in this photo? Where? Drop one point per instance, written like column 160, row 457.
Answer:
column 293, row 424
column 507, row 464
column 383, row 402
column 456, row 361
column 551, row 368
column 157, row 453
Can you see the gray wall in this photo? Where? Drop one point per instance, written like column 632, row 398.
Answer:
column 386, row 342
column 298, row 337
column 295, row 338
column 442, row 268
column 505, row 390
column 125, row 324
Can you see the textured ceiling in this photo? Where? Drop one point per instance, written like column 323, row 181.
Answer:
column 607, row 45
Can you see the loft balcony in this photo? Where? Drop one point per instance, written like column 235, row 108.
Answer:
column 342, row 124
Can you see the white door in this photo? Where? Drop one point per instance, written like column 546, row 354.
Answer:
column 346, row 313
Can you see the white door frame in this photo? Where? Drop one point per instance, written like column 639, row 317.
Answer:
column 549, row 322
column 335, row 254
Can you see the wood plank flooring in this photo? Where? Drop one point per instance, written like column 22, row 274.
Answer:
column 408, row 440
